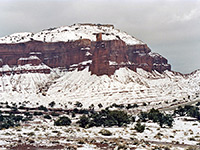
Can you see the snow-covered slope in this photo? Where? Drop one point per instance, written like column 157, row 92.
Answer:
column 7, row 68
column 125, row 86
column 72, row 33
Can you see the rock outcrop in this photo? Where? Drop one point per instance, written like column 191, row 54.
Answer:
column 102, row 56
column 31, row 64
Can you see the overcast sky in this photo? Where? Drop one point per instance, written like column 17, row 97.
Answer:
column 169, row 27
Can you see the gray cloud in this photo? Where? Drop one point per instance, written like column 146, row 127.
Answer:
column 169, row 27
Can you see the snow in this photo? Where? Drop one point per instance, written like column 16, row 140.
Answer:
column 32, row 67
column 72, row 33
column 5, row 68
column 124, row 87
column 152, row 54
column 181, row 132
column 113, row 63
column 85, row 48
column 17, row 38
column 86, row 62
column 44, row 131
column 86, row 147
column 35, row 53
column 30, row 58
column 88, row 54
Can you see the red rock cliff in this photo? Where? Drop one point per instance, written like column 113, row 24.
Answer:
column 106, row 56
column 111, row 50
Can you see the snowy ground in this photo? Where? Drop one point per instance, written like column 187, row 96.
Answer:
column 42, row 132
column 124, row 87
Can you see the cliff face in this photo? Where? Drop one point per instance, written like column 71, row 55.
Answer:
column 102, row 56
column 59, row 54
column 109, row 56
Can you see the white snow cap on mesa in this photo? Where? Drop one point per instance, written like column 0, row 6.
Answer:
column 72, row 33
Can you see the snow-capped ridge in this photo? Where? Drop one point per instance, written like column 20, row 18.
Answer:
column 72, row 33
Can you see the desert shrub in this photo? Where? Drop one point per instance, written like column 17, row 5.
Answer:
column 6, row 123
column 191, row 139
column 1, row 117
column 132, row 118
column 168, row 120
column 118, row 117
column 166, row 148
column 21, row 107
column 91, row 107
column 78, row 104
column 83, row 111
column 52, row 104
column 27, row 113
column 75, row 110
column 10, row 121
column 73, row 115
column 156, row 116
column 100, row 105
column 105, row 118
column 139, row 127
column 110, row 118
column 81, row 141
column 37, row 113
column 157, row 148
column 188, row 110
column 105, row 132
column 8, row 106
column 144, row 104
column 193, row 112
column 62, row 121
column 191, row 148
column 14, row 108
column 47, row 116
column 180, row 111
column 129, row 106
column 198, row 104
column 17, row 118
column 83, row 121
column 55, row 114
column 117, row 105
column 31, row 134
column 28, row 116
column 41, row 107
column 143, row 116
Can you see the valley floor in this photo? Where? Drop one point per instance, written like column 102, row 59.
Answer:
column 41, row 133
